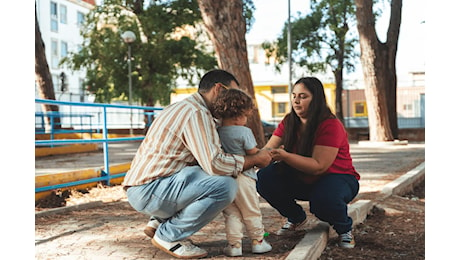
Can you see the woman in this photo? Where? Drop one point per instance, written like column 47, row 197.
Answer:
column 312, row 162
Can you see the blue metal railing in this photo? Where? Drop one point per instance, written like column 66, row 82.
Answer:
column 105, row 175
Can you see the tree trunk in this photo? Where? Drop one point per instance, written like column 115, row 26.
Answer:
column 338, row 75
column 392, row 81
column 43, row 76
column 378, row 62
column 226, row 26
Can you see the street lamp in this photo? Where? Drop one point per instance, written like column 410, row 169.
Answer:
column 289, row 47
column 129, row 37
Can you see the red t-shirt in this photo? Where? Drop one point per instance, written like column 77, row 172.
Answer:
column 330, row 133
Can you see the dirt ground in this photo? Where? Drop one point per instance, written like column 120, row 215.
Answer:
column 395, row 229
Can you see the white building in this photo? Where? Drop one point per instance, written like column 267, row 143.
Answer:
column 60, row 22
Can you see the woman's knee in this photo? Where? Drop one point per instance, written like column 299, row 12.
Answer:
column 324, row 207
column 265, row 179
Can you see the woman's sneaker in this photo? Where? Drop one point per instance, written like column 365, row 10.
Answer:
column 179, row 249
column 260, row 247
column 347, row 240
column 233, row 250
column 289, row 227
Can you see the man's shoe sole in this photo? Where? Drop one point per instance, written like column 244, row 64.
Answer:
column 175, row 255
column 149, row 231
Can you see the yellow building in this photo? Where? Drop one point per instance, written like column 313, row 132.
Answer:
column 272, row 100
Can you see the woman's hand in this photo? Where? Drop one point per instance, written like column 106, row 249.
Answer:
column 278, row 154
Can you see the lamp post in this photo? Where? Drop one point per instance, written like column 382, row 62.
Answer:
column 129, row 37
column 289, row 47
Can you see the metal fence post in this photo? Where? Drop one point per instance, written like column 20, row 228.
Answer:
column 106, row 171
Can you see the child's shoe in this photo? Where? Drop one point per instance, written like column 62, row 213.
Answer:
column 260, row 247
column 233, row 250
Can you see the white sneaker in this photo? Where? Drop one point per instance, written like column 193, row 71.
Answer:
column 260, row 247
column 179, row 249
column 288, row 227
column 233, row 250
column 151, row 227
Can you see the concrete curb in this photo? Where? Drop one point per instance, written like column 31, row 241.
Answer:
column 405, row 183
column 43, row 180
column 315, row 241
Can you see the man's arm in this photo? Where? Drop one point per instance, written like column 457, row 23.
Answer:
column 261, row 159
column 202, row 139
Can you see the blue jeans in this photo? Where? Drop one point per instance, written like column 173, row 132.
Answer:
column 184, row 202
column 280, row 186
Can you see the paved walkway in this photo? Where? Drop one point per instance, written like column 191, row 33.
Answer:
column 118, row 153
column 114, row 230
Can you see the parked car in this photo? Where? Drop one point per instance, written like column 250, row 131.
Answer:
column 268, row 129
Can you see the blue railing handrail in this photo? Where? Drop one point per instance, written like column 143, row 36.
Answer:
column 105, row 176
column 63, row 114
column 55, row 102
column 87, row 141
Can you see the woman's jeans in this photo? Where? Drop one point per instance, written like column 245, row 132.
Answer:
column 184, row 202
column 279, row 185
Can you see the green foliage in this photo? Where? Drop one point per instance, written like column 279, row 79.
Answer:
column 160, row 54
column 321, row 38
column 248, row 13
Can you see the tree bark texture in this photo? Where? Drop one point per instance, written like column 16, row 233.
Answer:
column 43, row 76
column 379, row 69
column 226, row 26
column 338, row 75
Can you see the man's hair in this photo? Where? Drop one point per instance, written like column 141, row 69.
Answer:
column 215, row 76
column 232, row 103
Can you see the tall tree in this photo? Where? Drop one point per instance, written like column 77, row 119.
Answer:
column 226, row 24
column 378, row 60
column 321, row 39
column 43, row 76
column 167, row 46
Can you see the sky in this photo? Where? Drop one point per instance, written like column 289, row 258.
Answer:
column 270, row 16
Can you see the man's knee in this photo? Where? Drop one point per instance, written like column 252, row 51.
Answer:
column 229, row 187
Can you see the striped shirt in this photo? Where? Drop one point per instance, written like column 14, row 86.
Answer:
column 183, row 134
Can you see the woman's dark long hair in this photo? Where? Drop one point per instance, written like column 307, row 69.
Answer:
column 318, row 111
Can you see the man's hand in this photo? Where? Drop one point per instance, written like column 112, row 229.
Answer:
column 264, row 158
column 260, row 159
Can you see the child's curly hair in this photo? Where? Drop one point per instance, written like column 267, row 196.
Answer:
column 232, row 103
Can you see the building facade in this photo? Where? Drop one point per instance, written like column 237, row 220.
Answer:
column 60, row 22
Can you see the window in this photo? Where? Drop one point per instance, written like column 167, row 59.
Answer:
column 81, row 85
column 63, row 49
column 407, row 107
column 80, row 18
column 54, row 16
column 279, row 109
column 279, row 90
column 56, row 82
column 54, row 54
column 63, row 14
column 359, row 109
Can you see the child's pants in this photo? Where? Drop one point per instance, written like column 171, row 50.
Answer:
column 244, row 211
